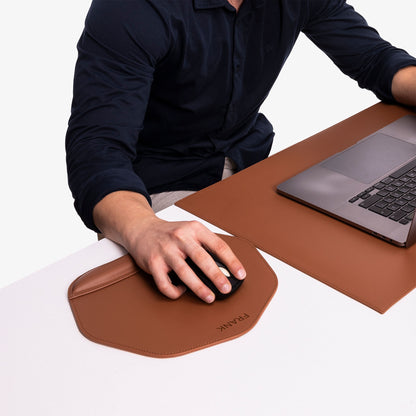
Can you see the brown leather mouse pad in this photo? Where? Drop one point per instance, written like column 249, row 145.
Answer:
column 118, row 305
column 357, row 264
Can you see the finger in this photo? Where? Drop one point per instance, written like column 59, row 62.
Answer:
column 222, row 251
column 209, row 267
column 159, row 271
column 191, row 280
column 187, row 238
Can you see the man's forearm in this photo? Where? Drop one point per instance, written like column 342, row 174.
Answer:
column 119, row 213
column 404, row 86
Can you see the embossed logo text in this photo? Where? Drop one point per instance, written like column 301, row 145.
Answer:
column 233, row 322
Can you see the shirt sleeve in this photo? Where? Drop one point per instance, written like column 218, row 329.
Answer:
column 355, row 47
column 117, row 53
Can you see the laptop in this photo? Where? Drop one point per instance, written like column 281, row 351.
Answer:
column 370, row 185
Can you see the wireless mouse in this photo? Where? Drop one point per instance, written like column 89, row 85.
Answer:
column 235, row 283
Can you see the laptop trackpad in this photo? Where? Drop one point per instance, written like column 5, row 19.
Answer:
column 371, row 158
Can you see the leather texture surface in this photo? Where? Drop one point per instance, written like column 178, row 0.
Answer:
column 118, row 305
column 351, row 261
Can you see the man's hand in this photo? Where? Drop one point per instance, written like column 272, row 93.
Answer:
column 404, row 86
column 160, row 246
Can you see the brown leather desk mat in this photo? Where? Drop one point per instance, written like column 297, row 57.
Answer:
column 118, row 305
column 363, row 267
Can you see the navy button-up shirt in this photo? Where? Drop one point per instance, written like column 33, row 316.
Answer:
column 165, row 89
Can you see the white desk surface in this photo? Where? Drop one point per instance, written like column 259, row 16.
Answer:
column 313, row 352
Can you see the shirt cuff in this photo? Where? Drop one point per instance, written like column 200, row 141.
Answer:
column 391, row 67
column 103, row 184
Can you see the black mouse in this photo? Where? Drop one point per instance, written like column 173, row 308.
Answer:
column 235, row 283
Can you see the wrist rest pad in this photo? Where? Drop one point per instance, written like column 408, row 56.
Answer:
column 351, row 261
column 118, row 305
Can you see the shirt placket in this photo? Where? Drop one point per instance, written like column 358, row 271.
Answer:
column 237, row 59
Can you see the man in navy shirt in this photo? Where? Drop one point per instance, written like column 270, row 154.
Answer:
column 166, row 90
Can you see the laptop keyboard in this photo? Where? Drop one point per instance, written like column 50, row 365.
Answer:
column 394, row 196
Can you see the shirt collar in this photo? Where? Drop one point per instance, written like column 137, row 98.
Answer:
column 211, row 4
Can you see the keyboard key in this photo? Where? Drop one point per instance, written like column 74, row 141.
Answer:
column 401, row 202
column 382, row 211
column 353, row 199
column 405, row 179
column 404, row 221
column 380, row 185
column 370, row 201
column 387, row 180
column 404, row 189
column 389, row 199
column 390, row 188
column 381, row 204
column 412, row 203
column 396, row 194
column 408, row 208
column 393, row 207
column 382, row 193
column 398, row 215
column 365, row 196
column 398, row 183
column 371, row 188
